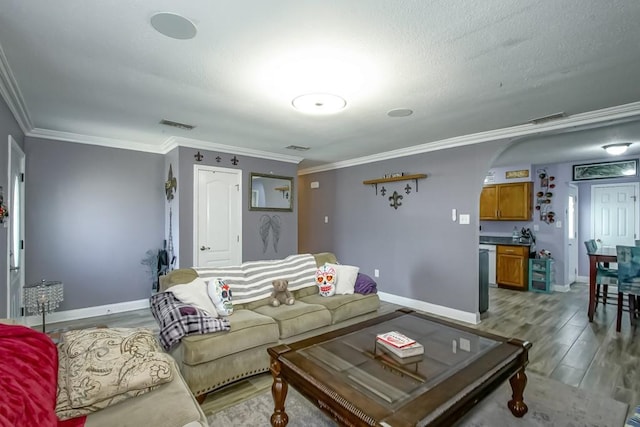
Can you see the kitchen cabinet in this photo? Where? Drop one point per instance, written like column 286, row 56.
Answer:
column 506, row 202
column 512, row 266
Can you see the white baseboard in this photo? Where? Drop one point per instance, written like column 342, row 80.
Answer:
column 561, row 288
column 83, row 313
column 440, row 310
column 582, row 279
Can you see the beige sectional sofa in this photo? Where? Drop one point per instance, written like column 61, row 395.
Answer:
column 213, row 360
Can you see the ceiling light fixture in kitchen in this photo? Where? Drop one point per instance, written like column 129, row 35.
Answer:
column 616, row 149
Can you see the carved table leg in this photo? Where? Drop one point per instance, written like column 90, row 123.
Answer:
column 279, row 388
column 516, row 404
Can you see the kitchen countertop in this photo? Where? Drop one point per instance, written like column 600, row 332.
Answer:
column 500, row 240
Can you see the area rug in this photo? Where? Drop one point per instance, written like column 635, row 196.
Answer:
column 550, row 403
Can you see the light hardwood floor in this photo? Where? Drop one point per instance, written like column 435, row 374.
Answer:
column 566, row 347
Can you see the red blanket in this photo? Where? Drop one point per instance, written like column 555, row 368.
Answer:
column 28, row 378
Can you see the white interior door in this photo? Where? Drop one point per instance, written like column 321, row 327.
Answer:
column 571, row 226
column 218, row 216
column 614, row 209
column 15, row 242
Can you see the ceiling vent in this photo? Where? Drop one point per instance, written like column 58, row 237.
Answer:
column 297, row 148
column 178, row 125
column 548, row 118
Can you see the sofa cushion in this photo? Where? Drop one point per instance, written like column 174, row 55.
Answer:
column 102, row 364
column 346, row 276
column 326, row 280
column 195, row 293
column 297, row 318
column 343, row 307
column 171, row 404
column 248, row 329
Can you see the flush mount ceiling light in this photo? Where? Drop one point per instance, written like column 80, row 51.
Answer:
column 319, row 103
column 616, row 149
column 174, row 26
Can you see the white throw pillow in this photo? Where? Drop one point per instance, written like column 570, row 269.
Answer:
column 195, row 294
column 346, row 276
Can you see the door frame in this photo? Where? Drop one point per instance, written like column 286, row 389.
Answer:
column 576, row 233
column 13, row 146
column 196, row 193
column 636, row 218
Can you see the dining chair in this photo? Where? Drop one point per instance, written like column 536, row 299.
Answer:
column 605, row 276
column 628, row 281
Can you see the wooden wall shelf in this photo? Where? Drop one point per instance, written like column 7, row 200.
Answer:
column 415, row 177
column 395, row 198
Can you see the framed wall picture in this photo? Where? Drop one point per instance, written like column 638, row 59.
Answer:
column 604, row 170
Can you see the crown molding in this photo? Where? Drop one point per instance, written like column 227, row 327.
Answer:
column 168, row 145
column 619, row 112
column 93, row 140
column 10, row 91
column 175, row 141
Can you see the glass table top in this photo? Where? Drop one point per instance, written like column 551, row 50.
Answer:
column 389, row 379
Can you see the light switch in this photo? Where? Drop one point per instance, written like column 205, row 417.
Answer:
column 454, row 214
column 558, row 224
column 536, row 227
column 315, row 184
column 464, row 219
column 326, row 220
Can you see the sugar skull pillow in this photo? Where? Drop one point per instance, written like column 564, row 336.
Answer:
column 326, row 280
column 220, row 294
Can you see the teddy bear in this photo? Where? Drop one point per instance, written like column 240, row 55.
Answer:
column 280, row 294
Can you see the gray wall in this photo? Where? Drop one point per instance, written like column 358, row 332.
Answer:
column 91, row 214
column 8, row 126
column 420, row 252
column 251, row 241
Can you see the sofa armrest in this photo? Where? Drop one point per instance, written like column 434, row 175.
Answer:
column 325, row 257
column 177, row 277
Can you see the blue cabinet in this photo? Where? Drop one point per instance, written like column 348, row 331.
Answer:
column 540, row 274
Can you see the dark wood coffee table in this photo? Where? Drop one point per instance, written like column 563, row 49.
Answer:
column 345, row 376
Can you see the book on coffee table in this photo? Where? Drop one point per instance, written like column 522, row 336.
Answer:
column 395, row 339
column 384, row 352
column 400, row 345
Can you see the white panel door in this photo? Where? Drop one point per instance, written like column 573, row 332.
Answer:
column 15, row 204
column 571, row 225
column 614, row 214
column 218, row 216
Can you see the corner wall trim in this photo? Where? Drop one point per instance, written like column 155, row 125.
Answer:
column 440, row 310
column 83, row 313
column 561, row 288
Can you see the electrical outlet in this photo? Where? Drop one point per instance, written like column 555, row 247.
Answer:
column 465, row 344
column 536, row 227
column 464, row 218
column 558, row 224
column 376, row 273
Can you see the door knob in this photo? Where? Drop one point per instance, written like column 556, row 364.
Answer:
column 204, row 248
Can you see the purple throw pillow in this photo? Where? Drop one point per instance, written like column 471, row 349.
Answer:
column 365, row 285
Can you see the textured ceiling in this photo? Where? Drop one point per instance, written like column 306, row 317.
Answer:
column 98, row 71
